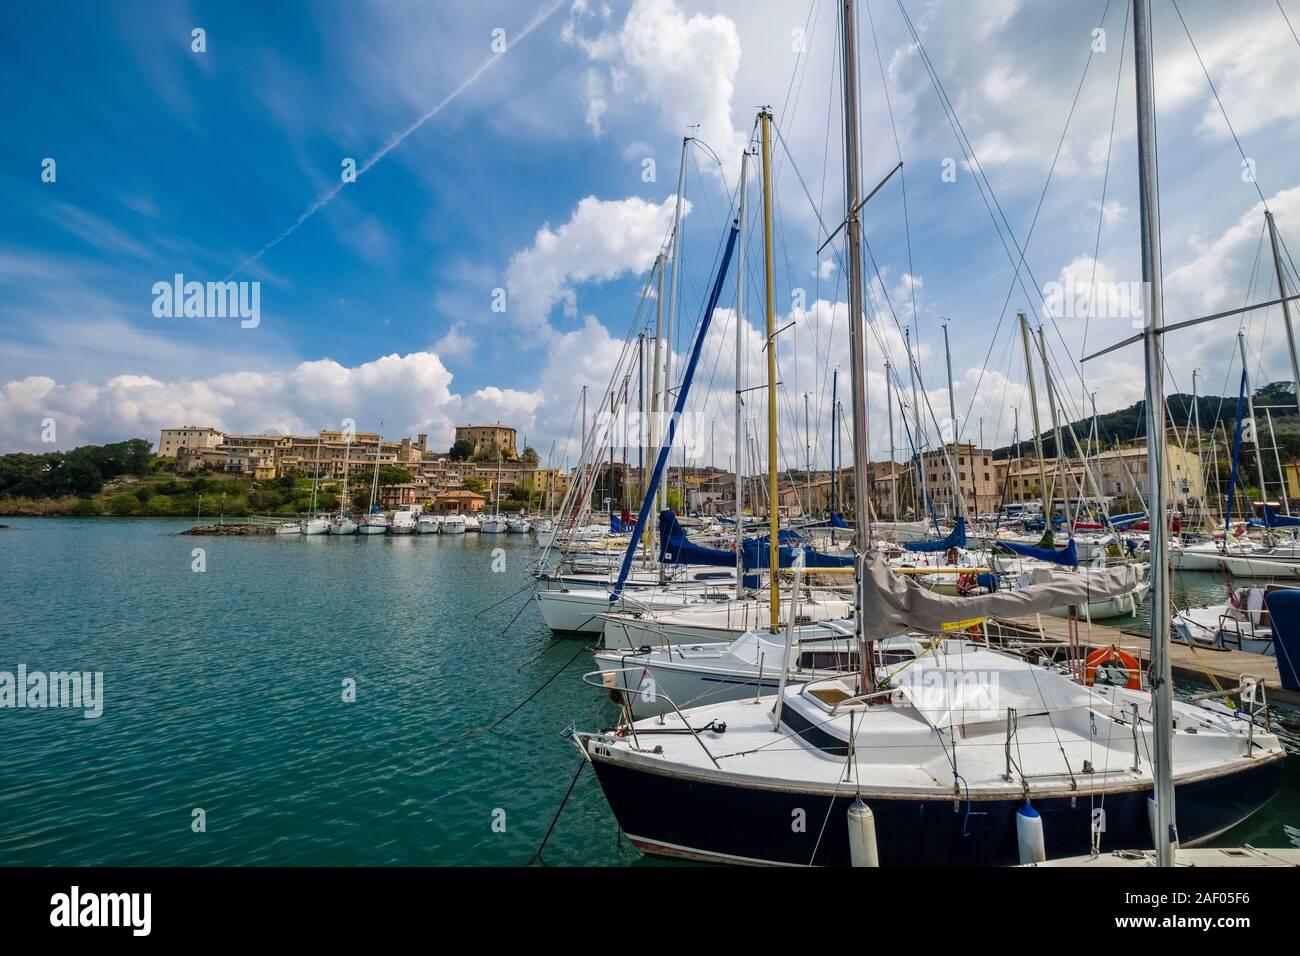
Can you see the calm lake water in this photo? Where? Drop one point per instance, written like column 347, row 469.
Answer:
column 223, row 690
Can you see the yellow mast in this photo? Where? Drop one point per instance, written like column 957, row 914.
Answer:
column 773, row 552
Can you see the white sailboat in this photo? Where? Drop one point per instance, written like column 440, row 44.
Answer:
column 343, row 523
column 314, row 523
column 375, row 521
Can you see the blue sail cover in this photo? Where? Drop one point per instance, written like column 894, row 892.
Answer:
column 615, row 525
column 1123, row 521
column 756, row 556
column 1284, row 610
column 837, row 520
column 956, row 539
column 1274, row 520
column 676, row 548
column 1069, row 556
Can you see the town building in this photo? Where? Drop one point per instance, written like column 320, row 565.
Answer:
column 488, row 441
column 187, row 436
column 460, row 502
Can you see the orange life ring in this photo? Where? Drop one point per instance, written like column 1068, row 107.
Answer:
column 1114, row 668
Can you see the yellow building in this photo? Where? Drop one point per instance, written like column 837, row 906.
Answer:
column 489, row 440
column 187, row 436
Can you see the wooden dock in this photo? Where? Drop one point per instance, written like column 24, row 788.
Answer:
column 1202, row 664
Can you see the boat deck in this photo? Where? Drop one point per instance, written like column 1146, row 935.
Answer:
column 1193, row 663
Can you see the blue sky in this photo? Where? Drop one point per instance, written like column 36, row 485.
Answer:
column 379, row 306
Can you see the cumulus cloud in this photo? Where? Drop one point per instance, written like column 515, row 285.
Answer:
column 683, row 66
column 603, row 240
column 411, row 393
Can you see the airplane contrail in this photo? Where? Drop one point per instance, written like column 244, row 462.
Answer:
column 396, row 140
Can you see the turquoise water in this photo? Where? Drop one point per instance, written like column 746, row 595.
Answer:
column 223, row 691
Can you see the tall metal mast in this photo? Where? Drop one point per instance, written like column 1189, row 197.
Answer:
column 769, row 285
column 1062, row 458
column 857, row 319
column 1286, row 306
column 893, row 468
column 740, row 399
column 672, row 300
column 1254, row 432
column 1038, row 430
column 853, row 240
column 952, row 415
column 656, row 400
column 1166, row 835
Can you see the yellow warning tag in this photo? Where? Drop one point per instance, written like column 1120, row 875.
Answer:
column 962, row 625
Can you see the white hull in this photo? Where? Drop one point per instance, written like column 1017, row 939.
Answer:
column 1241, row 565
column 1124, row 605
column 426, row 527
column 580, row 611
column 346, row 526
column 493, row 526
column 712, row 624
column 315, row 526
column 453, row 524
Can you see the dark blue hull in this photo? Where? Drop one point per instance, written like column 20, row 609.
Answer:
column 673, row 816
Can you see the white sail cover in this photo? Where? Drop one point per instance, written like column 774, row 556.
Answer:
column 972, row 685
column 893, row 603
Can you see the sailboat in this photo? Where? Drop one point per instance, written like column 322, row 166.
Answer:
column 343, row 523
column 949, row 757
column 495, row 523
column 375, row 521
column 314, row 523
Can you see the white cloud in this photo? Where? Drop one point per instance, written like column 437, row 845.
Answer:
column 683, row 66
column 455, row 344
column 409, row 393
column 603, row 240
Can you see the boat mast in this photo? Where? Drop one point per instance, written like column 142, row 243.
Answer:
column 835, row 475
column 673, row 283
column 1286, row 305
column 1277, row 459
column 316, row 481
column 1200, row 458
column 857, row 324
column 1254, row 434
column 656, row 406
column 893, row 469
column 1062, row 459
column 374, row 479
column 347, row 455
column 923, row 505
column 960, row 502
column 807, row 453
column 769, row 285
column 1038, row 430
column 740, row 398
column 1165, row 836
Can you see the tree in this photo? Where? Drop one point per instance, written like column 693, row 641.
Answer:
column 473, row 484
column 530, row 457
column 461, row 450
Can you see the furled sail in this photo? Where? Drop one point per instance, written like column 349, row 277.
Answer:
column 1274, row 520
column 757, row 556
column 1068, row 556
column 894, row 604
column 955, row 539
column 676, row 548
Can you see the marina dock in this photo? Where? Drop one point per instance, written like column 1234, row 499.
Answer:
column 1205, row 665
